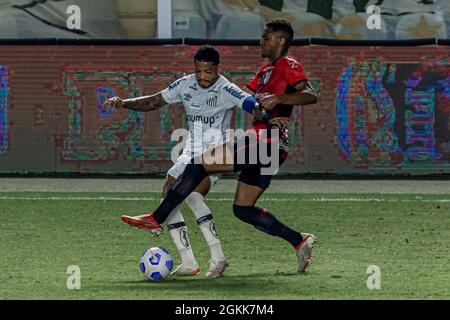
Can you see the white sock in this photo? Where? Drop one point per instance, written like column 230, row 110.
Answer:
column 178, row 233
column 205, row 221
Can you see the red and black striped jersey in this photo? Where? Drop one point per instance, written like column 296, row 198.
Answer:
column 280, row 77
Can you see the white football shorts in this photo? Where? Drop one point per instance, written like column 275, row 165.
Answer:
column 180, row 164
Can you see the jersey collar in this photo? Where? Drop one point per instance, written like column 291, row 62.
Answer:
column 276, row 60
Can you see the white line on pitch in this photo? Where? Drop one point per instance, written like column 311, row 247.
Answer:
column 321, row 199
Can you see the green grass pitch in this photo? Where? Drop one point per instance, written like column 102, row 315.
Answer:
column 406, row 236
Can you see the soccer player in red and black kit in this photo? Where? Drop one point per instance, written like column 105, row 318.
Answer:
column 278, row 86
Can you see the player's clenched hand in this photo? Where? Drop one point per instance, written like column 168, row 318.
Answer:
column 114, row 102
column 269, row 102
column 258, row 113
column 280, row 122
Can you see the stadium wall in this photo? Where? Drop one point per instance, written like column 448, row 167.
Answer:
column 383, row 110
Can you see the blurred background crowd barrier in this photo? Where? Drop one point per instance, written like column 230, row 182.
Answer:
column 381, row 110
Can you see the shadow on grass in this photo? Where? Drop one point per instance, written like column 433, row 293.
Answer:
column 228, row 285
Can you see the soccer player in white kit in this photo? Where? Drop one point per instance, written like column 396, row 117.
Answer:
column 208, row 99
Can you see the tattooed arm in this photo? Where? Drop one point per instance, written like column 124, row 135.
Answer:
column 145, row 103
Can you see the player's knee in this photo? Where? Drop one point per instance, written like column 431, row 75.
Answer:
column 198, row 166
column 209, row 167
column 168, row 183
column 243, row 212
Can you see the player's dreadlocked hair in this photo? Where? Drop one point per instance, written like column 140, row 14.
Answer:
column 207, row 53
column 284, row 28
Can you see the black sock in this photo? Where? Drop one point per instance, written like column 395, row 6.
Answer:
column 265, row 221
column 192, row 176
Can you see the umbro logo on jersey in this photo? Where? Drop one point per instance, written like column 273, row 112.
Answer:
column 193, row 87
column 212, row 101
column 292, row 63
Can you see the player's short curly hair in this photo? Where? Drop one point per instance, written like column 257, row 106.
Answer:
column 284, row 28
column 207, row 53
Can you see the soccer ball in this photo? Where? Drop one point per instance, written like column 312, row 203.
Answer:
column 156, row 263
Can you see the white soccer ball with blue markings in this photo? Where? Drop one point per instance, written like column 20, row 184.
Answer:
column 156, row 263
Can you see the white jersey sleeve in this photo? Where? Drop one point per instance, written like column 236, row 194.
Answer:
column 173, row 93
column 232, row 95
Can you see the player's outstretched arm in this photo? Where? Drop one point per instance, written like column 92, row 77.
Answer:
column 304, row 95
column 143, row 104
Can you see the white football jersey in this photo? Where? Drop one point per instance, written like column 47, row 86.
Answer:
column 208, row 110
